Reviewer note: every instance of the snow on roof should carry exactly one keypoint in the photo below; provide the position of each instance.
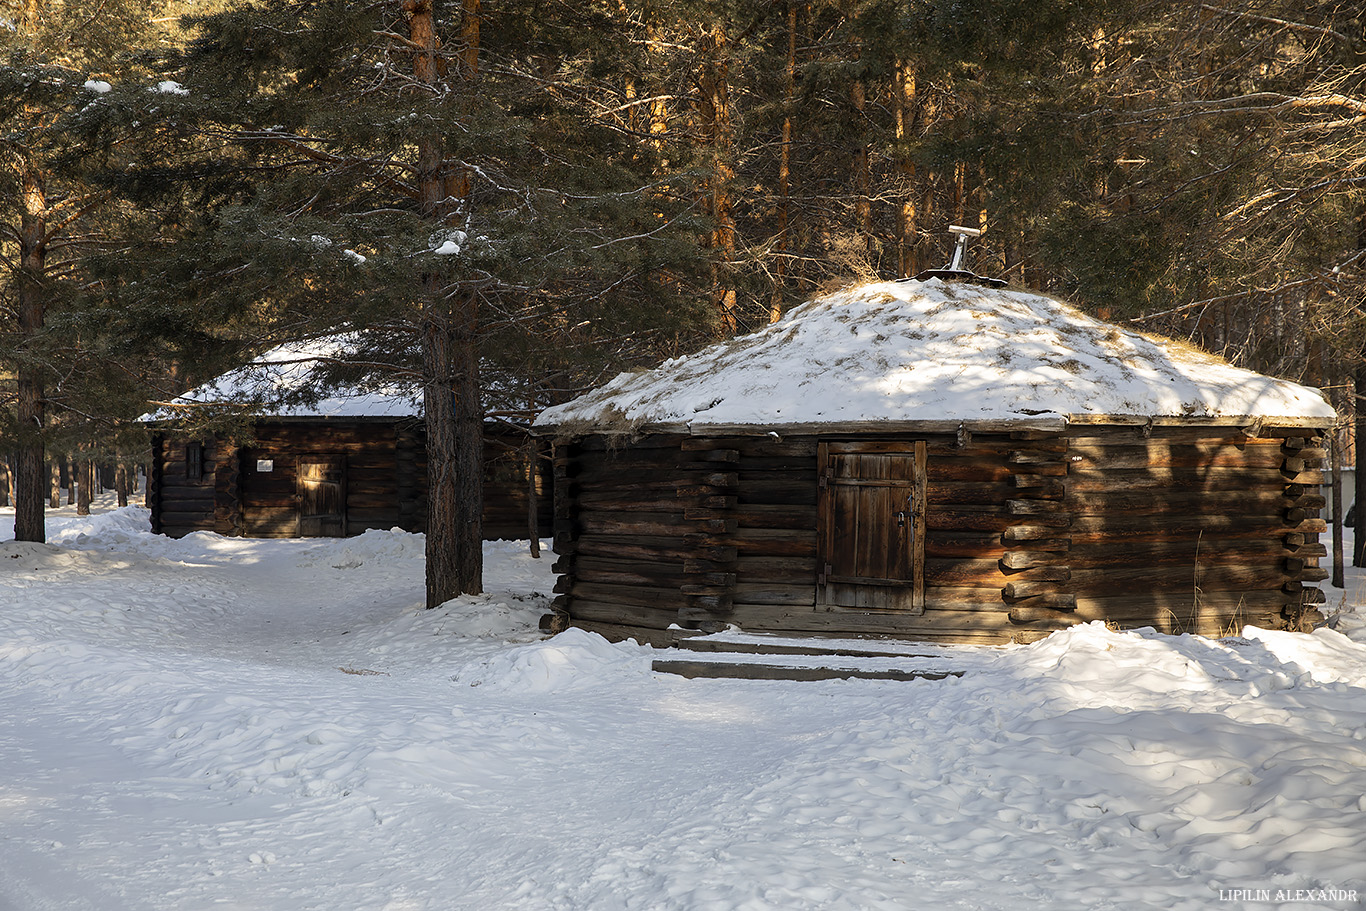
(910, 352)
(274, 381)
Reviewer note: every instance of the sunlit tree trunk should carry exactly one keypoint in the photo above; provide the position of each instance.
(713, 105)
(903, 105)
(449, 336)
(29, 480)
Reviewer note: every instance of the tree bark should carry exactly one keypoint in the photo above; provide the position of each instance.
(713, 104)
(29, 483)
(121, 483)
(54, 490)
(533, 517)
(775, 306)
(85, 486)
(455, 442)
(907, 228)
(1335, 442)
(449, 330)
(1359, 494)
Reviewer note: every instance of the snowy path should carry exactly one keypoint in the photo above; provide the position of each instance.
(278, 726)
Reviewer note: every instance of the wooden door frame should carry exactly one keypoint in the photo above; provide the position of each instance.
(825, 531)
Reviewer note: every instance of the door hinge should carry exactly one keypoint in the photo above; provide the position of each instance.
(824, 574)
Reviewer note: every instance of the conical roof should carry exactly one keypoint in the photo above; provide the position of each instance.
(925, 353)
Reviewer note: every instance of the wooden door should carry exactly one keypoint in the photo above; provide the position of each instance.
(872, 525)
(322, 496)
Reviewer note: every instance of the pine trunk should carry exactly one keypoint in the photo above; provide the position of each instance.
(29, 524)
(1359, 494)
(907, 228)
(775, 307)
(455, 442)
(533, 517)
(713, 104)
(452, 405)
(121, 483)
(85, 486)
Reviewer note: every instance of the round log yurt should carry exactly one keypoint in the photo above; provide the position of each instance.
(938, 460)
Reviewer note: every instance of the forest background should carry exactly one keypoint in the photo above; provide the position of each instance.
(523, 198)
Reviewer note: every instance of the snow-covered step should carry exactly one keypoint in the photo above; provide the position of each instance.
(756, 670)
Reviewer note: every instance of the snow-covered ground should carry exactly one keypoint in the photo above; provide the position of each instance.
(218, 723)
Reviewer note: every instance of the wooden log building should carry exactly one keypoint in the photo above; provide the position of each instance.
(941, 461)
(352, 461)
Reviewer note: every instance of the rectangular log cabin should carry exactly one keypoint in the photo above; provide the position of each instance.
(985, 537)
(334, 478)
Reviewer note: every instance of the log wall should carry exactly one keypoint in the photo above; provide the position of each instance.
(1199, 530)
(182, 504)
(386, 481)
(1185, 529)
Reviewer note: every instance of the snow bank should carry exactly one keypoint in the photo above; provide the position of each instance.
(279, 724)
(934, 351)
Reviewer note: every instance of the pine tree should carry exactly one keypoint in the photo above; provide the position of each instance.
(428, 173)
(57, 62)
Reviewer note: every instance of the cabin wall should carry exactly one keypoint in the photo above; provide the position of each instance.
(622, 535)
(385, 476)
(1184, 529)
(182, 495)
(1198, 530)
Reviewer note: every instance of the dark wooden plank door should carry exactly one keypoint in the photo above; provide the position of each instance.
(322, 496)
(872, 525)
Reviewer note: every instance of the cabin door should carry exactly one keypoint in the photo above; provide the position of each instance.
(322, 496)
(871, 536)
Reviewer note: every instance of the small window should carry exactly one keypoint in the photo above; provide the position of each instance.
(264, 465)
(194, 461)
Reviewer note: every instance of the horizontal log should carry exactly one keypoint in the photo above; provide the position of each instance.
(1013, 590)
(1158, 455)
(621, 524)
(710, 605)
(649, 597)
(764, 569)
(1051, 508)
(1037, 485)
(987, 626)
(662, 575)
(773, 492)
(1125, 579)
(774, 542)
(1040, 613)
(783, 517)
(771, 593)
(1025, 559)
(603, 443)
(768, 447)
(663, 549)
(1167, 527)
(181, 519)
(702, 588)
(1161, 554)
(1039, 455)
(194, 498)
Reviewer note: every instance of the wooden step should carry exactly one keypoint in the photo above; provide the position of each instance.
(701, 644)
(745, 670)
